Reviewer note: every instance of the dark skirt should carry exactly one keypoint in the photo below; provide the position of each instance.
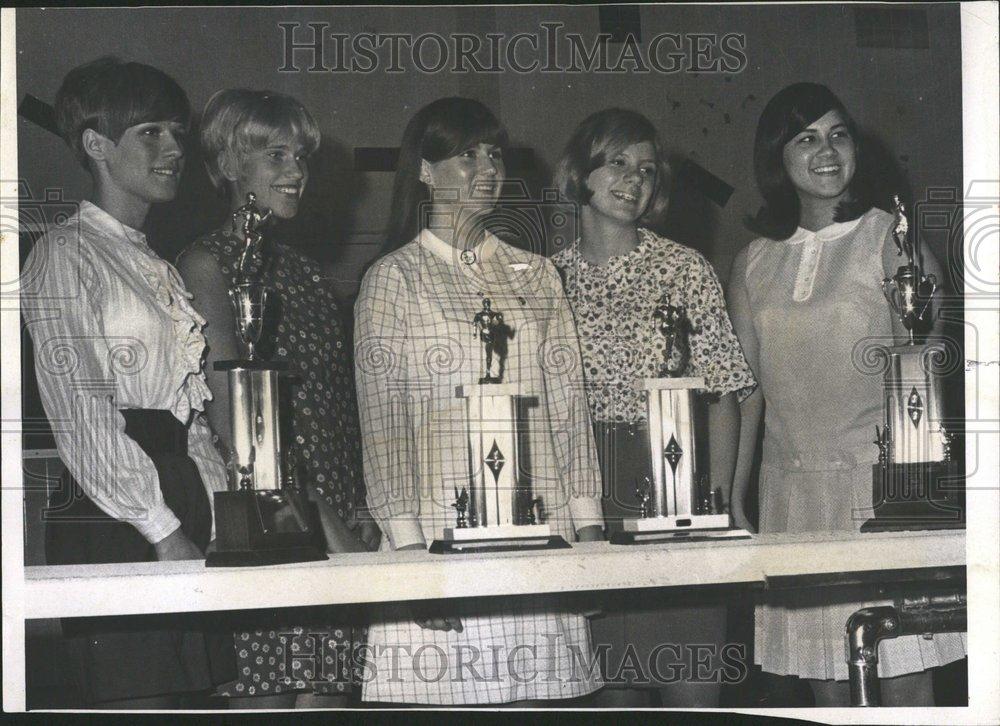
(646, 638)
(139, 656)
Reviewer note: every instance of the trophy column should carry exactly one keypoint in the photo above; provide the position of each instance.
(257, 522)
(671, 505)
(915, 484)
(494, 511)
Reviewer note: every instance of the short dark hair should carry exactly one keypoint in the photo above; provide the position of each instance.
(438, 131)
(110, 95)
(595, 140)
(790, 111)
(239, 120)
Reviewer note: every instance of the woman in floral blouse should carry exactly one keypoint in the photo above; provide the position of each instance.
(615, 274)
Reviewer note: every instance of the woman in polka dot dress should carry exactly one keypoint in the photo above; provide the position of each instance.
(259, 141)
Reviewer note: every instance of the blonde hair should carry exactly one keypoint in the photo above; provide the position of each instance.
(239, 121)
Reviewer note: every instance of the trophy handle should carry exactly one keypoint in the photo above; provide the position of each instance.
(933, 282)
(891, 294)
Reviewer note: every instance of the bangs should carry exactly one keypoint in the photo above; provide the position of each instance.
(146, 104)
(239, 121)
(620, 130)
(467, 125)
(273, 123)
(808, 108)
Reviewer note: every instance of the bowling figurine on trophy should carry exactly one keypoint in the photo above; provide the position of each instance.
(915, 484)
(671, 506)
(494, 511)
(251, 526)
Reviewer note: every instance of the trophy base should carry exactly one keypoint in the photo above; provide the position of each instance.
(500, 531)
(501, 538)
(923, 496)
(684, 528)
(677, 523)
(688, 535)
(256, 528)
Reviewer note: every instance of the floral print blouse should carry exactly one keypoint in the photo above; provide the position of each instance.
(613, 305)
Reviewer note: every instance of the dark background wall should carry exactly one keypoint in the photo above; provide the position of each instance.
(898, 69)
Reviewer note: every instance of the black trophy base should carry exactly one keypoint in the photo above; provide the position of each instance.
(256, 527)
(475, 546)
(916, 497)
(644, 538)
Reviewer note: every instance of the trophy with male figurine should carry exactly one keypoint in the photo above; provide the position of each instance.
(258, 521)
(494, 511)
(671, 505)
(915, 484)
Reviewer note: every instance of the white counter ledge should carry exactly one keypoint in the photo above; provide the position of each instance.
(159, 587)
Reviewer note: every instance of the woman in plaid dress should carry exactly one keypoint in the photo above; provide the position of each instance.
(414, 345)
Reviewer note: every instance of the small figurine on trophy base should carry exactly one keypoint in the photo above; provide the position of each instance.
(916, 484)
(258, 522)
(495, 512)
(670, 502)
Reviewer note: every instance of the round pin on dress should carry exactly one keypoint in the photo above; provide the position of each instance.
(468, 257)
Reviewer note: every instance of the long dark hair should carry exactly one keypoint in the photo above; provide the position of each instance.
(790, 111)
(438, 131)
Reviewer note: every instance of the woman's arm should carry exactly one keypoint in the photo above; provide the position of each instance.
(383, 405)
(751, 412)
(723, 443)
(76, 372)
(717, 357)
(566, 399)
(751, 407)
(204, 279)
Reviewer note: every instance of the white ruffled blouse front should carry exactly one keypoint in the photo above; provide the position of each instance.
(113, 328)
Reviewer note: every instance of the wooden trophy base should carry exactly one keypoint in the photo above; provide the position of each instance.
(673, 528)
(923, 496)
(255, 528)
(499, 538)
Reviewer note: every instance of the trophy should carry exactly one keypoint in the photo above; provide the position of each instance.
(258, 521)
(671, 505)
(493, 511)
(915, 484)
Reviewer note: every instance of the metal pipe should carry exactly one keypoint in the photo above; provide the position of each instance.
(910, 616)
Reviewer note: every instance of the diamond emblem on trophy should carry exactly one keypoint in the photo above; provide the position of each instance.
(670, 505)
(495, 511)
(915, 484)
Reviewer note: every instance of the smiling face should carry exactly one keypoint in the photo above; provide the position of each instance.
(820, 161)
(622, 187)
(277, 174)
(476, 174)
(145, 166)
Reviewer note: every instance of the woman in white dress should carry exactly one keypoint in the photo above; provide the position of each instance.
(414, 345)
(802, 297)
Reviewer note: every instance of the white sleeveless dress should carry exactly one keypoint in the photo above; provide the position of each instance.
(815, 304)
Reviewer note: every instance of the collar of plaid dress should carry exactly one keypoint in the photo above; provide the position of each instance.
(482, 252)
